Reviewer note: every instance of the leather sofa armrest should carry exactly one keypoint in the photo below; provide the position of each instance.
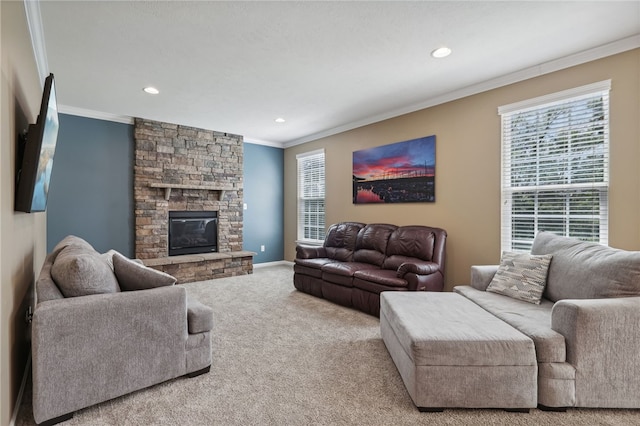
(418, 268)
(602, 339)
(421, 275)
(304, 251)
(481, 276)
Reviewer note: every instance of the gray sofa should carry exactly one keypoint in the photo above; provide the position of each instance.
(586, 329)
(105, 326)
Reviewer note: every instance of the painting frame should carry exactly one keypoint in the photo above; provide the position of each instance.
(400, 172)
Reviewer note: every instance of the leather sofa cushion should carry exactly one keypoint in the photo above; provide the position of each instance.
(341, 273)
(371, 244)
(307, 270)
(408, 242)
(341, 280)
(373, 288)
(316, 263)
(385, 277)
(340, 241)
(346, 269)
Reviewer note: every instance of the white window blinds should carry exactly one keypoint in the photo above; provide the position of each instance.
(311, 222)
(555, 166)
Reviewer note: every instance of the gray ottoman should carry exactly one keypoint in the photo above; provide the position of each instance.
(452, 353)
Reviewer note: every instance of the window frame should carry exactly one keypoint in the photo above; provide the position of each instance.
(314, 193)
(508, 190)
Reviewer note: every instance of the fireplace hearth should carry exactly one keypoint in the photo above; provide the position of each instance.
(193, 232)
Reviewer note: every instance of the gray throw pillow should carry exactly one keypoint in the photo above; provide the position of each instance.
(72, 240)
(80, 271)
(521, 276)
(134, 276)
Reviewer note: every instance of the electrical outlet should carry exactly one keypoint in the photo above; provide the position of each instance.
(262, 247)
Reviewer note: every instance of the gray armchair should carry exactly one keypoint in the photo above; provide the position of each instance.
(91, 348)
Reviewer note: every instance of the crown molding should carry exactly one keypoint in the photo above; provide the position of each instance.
(599, 52)
(98, 115)
(34, 22)
(263, 142)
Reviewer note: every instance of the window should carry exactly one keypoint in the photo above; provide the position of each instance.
(555, 166)
(311, 224)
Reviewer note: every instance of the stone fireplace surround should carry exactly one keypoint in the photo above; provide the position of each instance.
(186, 168)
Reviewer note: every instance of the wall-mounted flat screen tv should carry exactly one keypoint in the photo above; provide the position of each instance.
(35, 155)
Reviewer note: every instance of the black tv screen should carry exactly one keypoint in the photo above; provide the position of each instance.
(34, 168)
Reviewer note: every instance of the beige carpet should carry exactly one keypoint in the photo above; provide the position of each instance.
(282, 357)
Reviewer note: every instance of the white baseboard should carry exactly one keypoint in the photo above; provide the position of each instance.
(25, 376)
(268, 264)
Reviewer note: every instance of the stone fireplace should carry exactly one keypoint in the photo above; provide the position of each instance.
(180, 168)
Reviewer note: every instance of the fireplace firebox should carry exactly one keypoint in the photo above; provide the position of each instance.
(192, 232)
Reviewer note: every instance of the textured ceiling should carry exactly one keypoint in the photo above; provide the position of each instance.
(323, 66)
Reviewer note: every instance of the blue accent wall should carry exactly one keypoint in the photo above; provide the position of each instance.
(264, 199)
(91, 192)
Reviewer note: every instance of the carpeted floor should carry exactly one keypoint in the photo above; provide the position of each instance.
(282, 357)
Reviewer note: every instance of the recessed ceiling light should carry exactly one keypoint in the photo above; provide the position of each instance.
(280, 120)
(151, 90)
(441, 52)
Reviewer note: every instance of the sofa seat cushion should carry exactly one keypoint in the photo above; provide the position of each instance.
(341, 273)
(316, 263)
(531, 320)
(347, 269)
(384, 277)
(583, 270)
(308, 271)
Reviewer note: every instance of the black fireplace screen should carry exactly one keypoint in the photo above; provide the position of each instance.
(192, 232)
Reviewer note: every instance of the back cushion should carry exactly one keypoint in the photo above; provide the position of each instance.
(371, 244)
(340, 241)
(582, 270)
(132, 275)
(408, 243)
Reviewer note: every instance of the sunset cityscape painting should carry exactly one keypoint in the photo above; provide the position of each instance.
(402, 172)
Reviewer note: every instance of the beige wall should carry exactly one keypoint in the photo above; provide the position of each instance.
(468, 165)
(22, 236)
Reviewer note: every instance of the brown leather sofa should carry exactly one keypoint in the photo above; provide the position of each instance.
(358, 261)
